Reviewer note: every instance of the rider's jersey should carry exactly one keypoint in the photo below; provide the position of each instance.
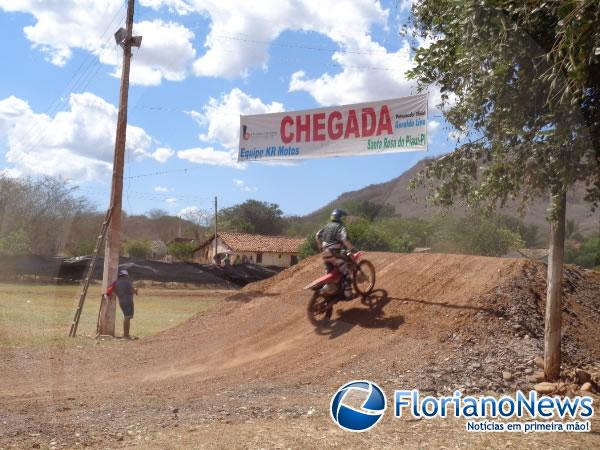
(332, 235)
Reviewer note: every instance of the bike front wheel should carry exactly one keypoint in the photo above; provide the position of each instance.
(364, 277)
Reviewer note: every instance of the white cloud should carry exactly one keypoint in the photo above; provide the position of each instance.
(222, 116)
(162, 155)
(242, 186)
(179, 6)
(77, 143)
(406, 5)
(11, 173)
(210, 156)
(166, 52)
(370, 73)
(161, 189)
(241, 31)
(171, 201)
(433, 125)
(61, 26)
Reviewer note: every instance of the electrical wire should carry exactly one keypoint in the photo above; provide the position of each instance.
(81, 78)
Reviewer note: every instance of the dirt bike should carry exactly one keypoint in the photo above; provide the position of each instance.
(328, 290)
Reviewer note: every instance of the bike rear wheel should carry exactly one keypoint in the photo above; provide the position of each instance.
(364, 277)
(319, 310)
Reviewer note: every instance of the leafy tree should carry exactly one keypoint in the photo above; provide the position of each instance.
(308, 247)
(367, 237)
(588, 255)
(475, 234)
(401, 245)
(521, 81)
(528, 232)
(253, 216)
(43, 208)
(181, 250)
(16, 243)
(417, 231)
(138, 248)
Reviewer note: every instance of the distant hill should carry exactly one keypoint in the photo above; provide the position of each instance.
(413, 203)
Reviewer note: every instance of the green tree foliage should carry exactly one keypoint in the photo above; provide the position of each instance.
(181, 250)
(366, 236)
(308, 248)
(530, 233)
(15, 243)
(138, 248)
(588, 255)
(476, 235)
(253, 216)
(417, 232)
(401, 245)
(524, 80)
(521, 80)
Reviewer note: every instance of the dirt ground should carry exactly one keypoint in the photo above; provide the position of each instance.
(254, 373)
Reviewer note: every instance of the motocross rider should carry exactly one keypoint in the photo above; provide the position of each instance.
(332, 239)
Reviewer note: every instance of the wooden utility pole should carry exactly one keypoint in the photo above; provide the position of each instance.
(126, 40)
(216, 228)
(552, 331)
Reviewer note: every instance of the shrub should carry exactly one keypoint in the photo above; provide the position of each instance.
(181, 250)
(308, 248)
(138, 248)
(16, 243)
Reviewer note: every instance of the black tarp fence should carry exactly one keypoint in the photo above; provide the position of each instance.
(73, 269)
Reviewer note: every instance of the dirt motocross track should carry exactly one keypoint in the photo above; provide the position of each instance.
(255, 362)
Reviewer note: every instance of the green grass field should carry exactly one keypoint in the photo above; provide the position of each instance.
(34, 315)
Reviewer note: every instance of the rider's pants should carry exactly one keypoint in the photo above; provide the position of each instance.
(334, 258)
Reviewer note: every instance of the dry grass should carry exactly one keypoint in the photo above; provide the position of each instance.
(36, 315)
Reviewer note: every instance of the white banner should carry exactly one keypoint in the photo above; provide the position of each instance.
(390, 126)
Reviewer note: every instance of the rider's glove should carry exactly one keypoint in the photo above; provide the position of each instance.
(354, 251)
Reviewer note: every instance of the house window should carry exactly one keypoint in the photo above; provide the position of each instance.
(259, 258)
(293, 260)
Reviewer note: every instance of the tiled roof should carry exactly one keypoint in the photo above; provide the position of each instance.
(242, 242)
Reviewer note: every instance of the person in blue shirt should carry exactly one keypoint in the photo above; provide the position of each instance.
(124, 289)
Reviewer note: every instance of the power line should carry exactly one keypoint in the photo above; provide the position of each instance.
(299, 45)
(82, 76)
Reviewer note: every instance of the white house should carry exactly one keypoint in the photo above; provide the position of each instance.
(280, 251)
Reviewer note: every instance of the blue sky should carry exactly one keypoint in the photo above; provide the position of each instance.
(201, 64)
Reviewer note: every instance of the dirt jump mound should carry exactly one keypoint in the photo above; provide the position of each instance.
(434, 323)
(437, 321)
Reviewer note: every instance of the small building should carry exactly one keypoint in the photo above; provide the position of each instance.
(279, 251)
